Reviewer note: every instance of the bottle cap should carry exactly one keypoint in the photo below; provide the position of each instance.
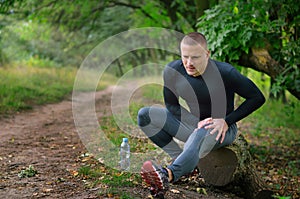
(125, 139)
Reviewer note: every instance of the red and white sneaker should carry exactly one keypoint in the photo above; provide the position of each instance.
(156, 177)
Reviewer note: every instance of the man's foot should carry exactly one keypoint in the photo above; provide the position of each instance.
(156, 177)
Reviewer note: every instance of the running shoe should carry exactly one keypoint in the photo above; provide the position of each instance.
(156, 177)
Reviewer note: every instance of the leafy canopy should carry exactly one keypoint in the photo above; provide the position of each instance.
(232, 29)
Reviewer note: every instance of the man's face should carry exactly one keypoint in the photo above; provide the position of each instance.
(194, 59)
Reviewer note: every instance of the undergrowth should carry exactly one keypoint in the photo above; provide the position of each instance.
(23, 87)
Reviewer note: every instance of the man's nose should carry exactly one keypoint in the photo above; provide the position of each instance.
(189, 61)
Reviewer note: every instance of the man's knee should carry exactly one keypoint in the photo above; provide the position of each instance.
(143, 118)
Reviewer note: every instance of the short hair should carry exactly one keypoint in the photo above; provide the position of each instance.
(194, 38)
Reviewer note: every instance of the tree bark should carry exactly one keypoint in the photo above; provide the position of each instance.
(259, 59)
(201, 6)
(233, 165)
(120, 67)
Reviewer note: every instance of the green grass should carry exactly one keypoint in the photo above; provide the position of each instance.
(28, 172)
(153, 92)
(22, 87)
(275, 114)
(116, 183)
(87, 79)
(115, 134)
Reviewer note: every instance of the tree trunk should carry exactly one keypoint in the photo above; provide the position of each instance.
(201, 6)
(259, 59)
(233, 165)
(120, 67)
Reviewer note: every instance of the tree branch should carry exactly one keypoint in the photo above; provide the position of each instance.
(259, 59)
(117, 3)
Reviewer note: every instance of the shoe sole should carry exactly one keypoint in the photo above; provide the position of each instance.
(151, 177)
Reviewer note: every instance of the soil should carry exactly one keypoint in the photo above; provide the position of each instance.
(46, 138)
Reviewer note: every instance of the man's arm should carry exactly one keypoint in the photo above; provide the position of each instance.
(253, 100)
(245, 88)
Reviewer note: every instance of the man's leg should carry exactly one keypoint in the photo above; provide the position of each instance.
(199, 144)
(161, 127)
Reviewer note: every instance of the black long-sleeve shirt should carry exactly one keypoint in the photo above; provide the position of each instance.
(212, 93)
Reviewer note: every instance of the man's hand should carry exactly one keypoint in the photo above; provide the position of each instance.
(216, 125)
(204, 122)
(219, 125)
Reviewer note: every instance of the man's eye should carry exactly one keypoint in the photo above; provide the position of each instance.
(193, 57)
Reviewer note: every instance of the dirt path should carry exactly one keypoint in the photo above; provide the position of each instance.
(46, 138)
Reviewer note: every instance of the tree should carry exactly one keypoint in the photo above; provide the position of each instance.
(98, 20)
(259, 34)
(76, 27)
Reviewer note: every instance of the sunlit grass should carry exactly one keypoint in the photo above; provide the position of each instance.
(22, 87)
(276, 114)
(91, 80)
(153, 92)
(115, 134)
(115, 181)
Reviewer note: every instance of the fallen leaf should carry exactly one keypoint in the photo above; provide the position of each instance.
(175, 191)
(201, 190)
(47, 190)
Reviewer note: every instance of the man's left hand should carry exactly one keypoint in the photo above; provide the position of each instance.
(220, 126)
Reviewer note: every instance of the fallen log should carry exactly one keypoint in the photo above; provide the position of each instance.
(233, 165)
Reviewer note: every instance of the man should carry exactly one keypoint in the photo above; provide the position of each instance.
(208, 88)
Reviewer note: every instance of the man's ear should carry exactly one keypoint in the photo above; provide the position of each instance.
(208, 54)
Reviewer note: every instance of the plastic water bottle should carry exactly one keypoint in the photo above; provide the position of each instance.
(125, 155)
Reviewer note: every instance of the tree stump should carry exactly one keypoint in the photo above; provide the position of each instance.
(233, 165)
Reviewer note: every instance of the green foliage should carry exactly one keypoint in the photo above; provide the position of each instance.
(232, 29)
(278, 115)
(115, 134)
(118, 179)
(153, 92)
(115, 181)
(22, 87)
(28, 172)
(282, 197)
(85, 171)
(29, 41)
(59, 31)
(157, 16)
(290, 77)
(7, 6)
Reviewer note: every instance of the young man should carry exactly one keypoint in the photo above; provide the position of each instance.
(208, 88)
